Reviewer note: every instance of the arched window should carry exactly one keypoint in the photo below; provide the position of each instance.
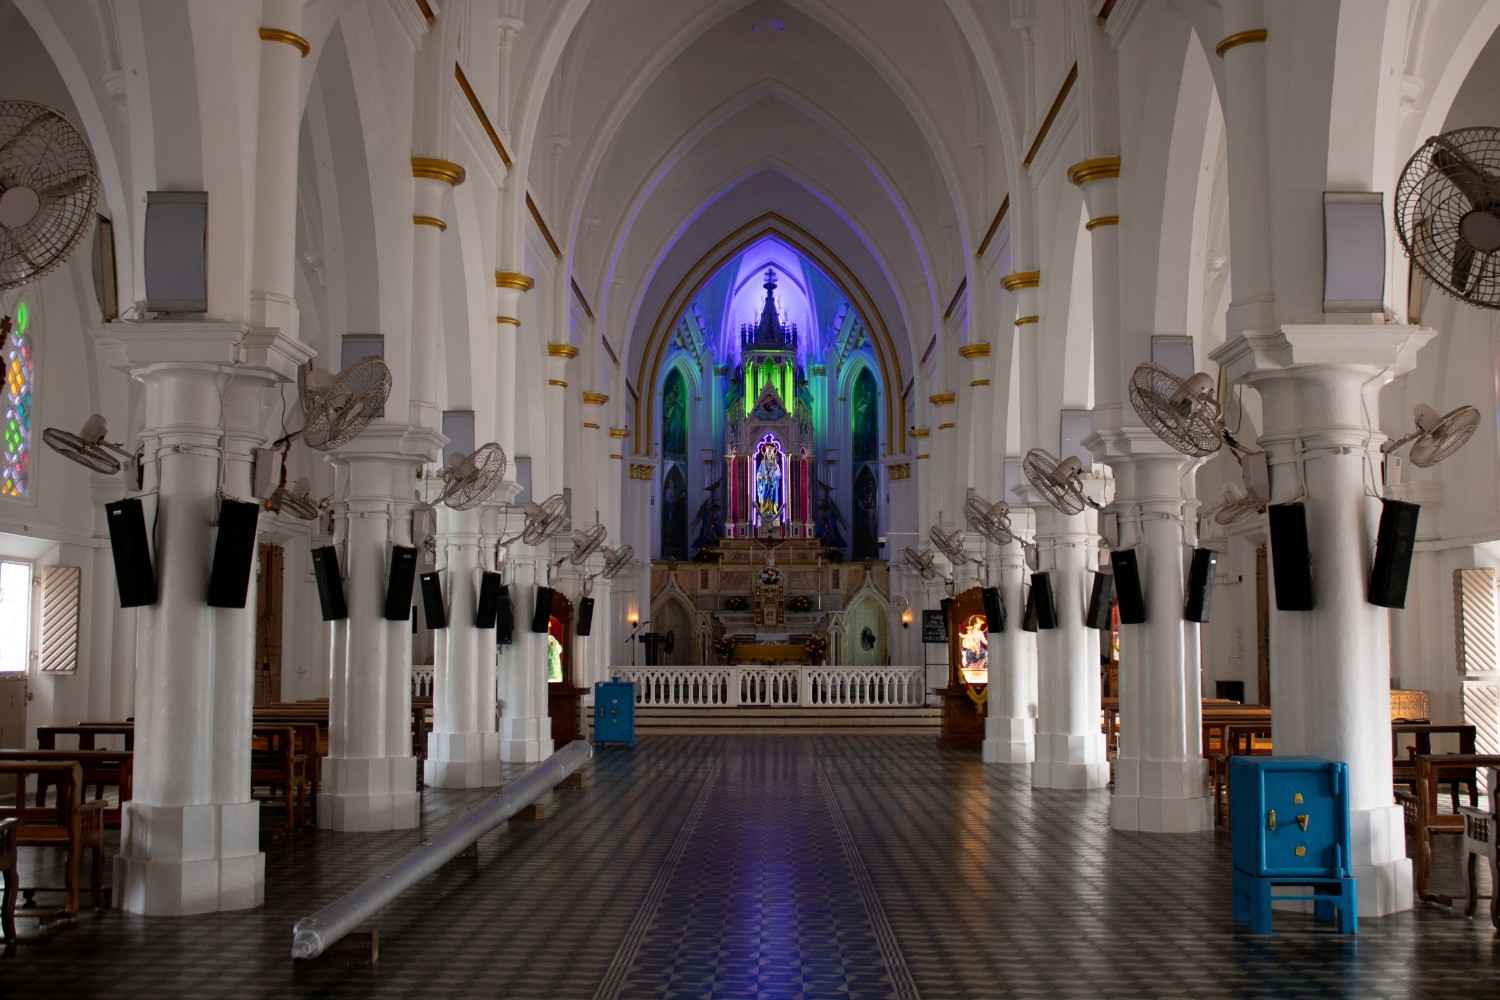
(674, 400)
(864, 415)
(15, 450)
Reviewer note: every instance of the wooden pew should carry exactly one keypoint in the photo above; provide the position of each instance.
(101, 768)
(1424, 822)
(1482, 843)
(1248, 738)
(72, 825)
(276, 766)
(1404, 771)
(10, 871)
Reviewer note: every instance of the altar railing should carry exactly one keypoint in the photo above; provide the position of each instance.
(809, 687)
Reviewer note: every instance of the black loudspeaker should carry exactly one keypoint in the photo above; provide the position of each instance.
(1041, 597)
(1200, 585)
(1128, 587)
(1028, 613)
(234, 554)
(994, 609)
(132, 551)
(1291, 563)
(585, 621)
(489, 600)
(399, 582)
(1101, 601)
(330, 583)
(433, 608)
(505, 617)
(1393, 546)
(541, 615)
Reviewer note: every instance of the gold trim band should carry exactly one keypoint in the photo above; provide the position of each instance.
(941, 398)
(946, 425)
(567, 351)
(900, 471)
(560, 383)
(1239, 38)
(594, 399)
(514, 279)
(616, 456)
(1027, 320)
(920, 432)
(508, 320)
(285, 37)
(1103, 220)
(976, 383)
(1021, 279)
(976, 350)
(923, 455)
(591, 425)
(619, 432)
(1097, 169)
(430, 220)
(430, 168)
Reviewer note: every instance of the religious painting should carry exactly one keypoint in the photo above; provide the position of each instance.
(974, 645)
(866, 514)
(770, 508)
(674, 416)
(864, 417)
(674, 514)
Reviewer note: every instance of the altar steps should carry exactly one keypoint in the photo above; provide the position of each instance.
(788, 721)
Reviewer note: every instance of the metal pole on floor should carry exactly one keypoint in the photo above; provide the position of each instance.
(312, 935)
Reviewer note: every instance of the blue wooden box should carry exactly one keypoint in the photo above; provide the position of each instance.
(614, 712)
(1290, 816)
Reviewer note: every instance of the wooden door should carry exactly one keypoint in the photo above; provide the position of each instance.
(563, 696)
(268, 588)
(1262, 627)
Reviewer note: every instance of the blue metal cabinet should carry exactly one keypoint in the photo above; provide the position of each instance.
(1290, 816)
(614, 712)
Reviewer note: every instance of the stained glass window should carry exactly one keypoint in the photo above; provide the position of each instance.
(15, 450)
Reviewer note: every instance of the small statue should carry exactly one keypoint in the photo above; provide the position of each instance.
(831, 522)
(708, 518)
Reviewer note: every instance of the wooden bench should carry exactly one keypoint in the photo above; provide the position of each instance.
(1248, 738)
(72, 825)
(101, 769)
(1424, 822)
(1404, 771)
(276, 766)
(1482, 843)
(10, 871)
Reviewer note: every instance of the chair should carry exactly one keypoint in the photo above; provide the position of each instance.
(11, 873)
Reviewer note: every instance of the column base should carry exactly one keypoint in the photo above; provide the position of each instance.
(1160, 796)
(463, 760)
(1070, 760)
(363, 794)
(1378, 838)
(1009, 740)
(525, 741)
(179, 860)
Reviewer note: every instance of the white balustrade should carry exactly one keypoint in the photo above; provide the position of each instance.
(421, 682)
(809, 687)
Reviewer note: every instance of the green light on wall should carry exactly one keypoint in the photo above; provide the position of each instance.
(778, 374)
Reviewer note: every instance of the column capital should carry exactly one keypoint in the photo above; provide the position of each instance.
(1307, 348)
(136, 346)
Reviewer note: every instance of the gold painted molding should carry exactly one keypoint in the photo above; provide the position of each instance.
(567, 351)
(901, 471)
(1103, 220)
(919, 432)
(941, 398)
(923, 455)
(1021, 279)
(430, 220)
(1240, 38)
(619, 432)
(559, 383)
(514, 279)
(946, 425)
(433, 169)
(591, 425)
(594, 399)
(976, 383)
(1097, 169)
(508, 320)
(1027, 320)
(976, 350)
(641, 472)
(285, 37)
(616, 456)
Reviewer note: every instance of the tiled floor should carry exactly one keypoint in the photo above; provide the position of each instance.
(777, 866)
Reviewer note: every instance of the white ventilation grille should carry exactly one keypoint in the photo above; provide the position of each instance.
(61, 588)
(1474, 620)
(1482, 711)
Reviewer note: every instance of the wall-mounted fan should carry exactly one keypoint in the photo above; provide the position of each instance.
(949, 543)
(616, 561)
(1185, 413)
(1061, 482)
(920, 561)
(469, 480)
(545, 519)
(1436, 437)
(1238, 504)
(1448, 213)
(295, 499)
(49, 186)
(88, 447)
(585, 544)
(337, 407)
(992, 520)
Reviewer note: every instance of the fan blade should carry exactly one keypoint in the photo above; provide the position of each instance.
(1463, 262)
(62, 189)
(1464, 173)
(21, 134)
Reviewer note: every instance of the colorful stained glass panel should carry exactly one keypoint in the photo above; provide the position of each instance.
(15, 431)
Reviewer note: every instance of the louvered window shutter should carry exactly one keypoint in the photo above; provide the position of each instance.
(61, 590)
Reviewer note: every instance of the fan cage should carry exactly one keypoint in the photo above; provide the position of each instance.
(1431, 204)
(1190, 425)
(41, 150)
(328, 427)
(1039, 466)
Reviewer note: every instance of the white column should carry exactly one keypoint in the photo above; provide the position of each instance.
(272, 291)
(525, 727)
(190, 841)
(1160, 774)
(431, 180)
(1330, 685)
(1069, 742)
(1010, 728)
(463, 749)
(370, 775)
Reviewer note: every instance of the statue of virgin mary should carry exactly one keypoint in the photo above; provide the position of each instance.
(768, 482)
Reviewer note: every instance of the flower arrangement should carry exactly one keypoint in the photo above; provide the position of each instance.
(724, 647)
(817, 648)
(800, 602)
